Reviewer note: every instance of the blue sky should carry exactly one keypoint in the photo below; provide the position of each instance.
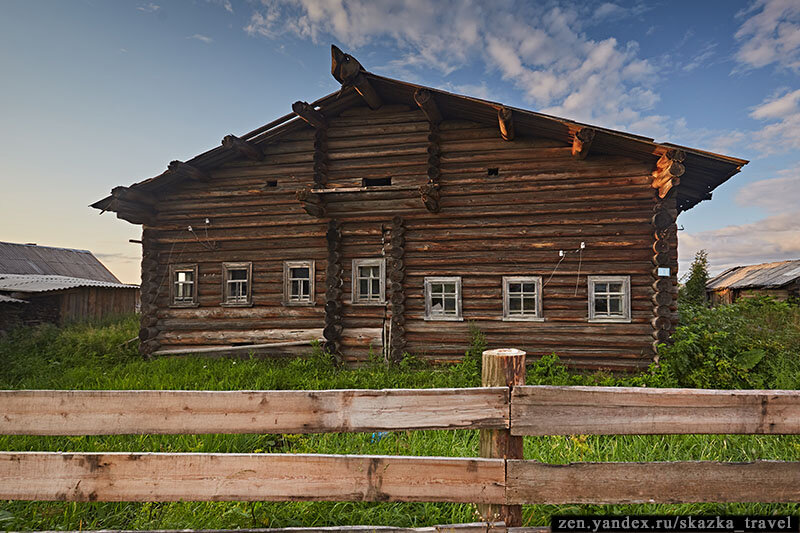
(95, 94)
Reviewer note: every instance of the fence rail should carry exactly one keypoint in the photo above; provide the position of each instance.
(78, 412)
(504, 413)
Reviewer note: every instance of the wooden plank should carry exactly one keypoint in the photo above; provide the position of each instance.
(95, 412)
(532, 482)
(247, 477)
(550, 410)
(472, 527)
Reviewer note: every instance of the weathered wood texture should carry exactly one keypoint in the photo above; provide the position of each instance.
(86, 303)
(502, 368)
(53, 412)
(678, 482)
(471, 527)
(247, 477)
(537, 199)
(549, 410)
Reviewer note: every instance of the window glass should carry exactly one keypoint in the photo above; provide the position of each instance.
(521, 298)
(609, 297)
(443, 298)
(368, 281)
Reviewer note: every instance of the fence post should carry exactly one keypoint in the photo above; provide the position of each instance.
(502, 368)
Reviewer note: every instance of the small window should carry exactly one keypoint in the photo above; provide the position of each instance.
(237, 284)
(271, 183)
(183, 290)
(493, 171)
(298, 286)
(376, 182)
(522, 298)
(368, 281)
(609, 299)
(443, 298)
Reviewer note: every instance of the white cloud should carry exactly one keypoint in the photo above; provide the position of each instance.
(701, 58)
(774, 238)
(777, 195)
(770, 34)
(541, 49)
(149, 8)
(783, 133)
(201, 37)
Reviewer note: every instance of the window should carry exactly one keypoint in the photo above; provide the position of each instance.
(443, 298)
(183, 290)
(609, 299)
(237, 284)
(368, 281)
(522, 298)
(298, 283)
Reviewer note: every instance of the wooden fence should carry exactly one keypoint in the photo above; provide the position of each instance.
(506, 480)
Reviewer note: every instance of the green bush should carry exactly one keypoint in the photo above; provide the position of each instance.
(751, 344)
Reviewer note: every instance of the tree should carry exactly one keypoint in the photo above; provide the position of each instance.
(693, 292)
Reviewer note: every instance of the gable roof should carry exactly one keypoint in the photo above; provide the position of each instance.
(24, 283)
(704, 172)
(764, 276)
(46, 260)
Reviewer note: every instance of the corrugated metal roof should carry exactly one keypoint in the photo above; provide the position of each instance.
(765, 275)
(40, 283)
(46, 260)
(9, 300)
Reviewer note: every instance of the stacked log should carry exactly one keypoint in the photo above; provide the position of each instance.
(148, 330)
(664, 228)
(395, 271)
(430, 192)
(333, 292)
(321, 157)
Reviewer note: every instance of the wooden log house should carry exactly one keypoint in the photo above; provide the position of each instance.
(389, 217)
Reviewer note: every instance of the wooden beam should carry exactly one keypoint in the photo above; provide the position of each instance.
(531, 482)
(367, 91)
(506, 121)
(550, 410)
(150, 477)
(425, 100)
(133, 196)
(312, 203)
(184, 170)
(582, 142)
(309, 114)
(243, 148)
(78, 412)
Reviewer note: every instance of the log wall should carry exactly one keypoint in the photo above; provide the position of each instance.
(490, 223)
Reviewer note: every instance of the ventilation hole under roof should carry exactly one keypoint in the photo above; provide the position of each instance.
(376, 182)
(492, 171)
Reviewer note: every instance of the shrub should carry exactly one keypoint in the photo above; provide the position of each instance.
(753, 343)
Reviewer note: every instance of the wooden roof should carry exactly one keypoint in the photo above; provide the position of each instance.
(46, 260)
(704, 171)
(763, 276)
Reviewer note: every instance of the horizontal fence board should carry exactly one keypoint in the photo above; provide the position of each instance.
(532, 482)
(552, 410)
(75, 412)
(473, 527)
(247, 477)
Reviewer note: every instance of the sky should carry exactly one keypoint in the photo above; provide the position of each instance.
(95, 94)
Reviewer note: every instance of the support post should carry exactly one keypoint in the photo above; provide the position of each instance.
(502, 368)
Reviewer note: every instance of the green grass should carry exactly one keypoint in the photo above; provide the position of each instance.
(96, 357)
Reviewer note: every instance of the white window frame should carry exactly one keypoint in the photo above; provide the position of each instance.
(537, 316)
(356, 298)
(625, 316)
(287, 283)
(429, 315)
(173, 271)
(248, 300)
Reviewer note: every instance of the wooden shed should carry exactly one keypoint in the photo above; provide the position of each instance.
(391, 217)
(43, 284)
(781, 280)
